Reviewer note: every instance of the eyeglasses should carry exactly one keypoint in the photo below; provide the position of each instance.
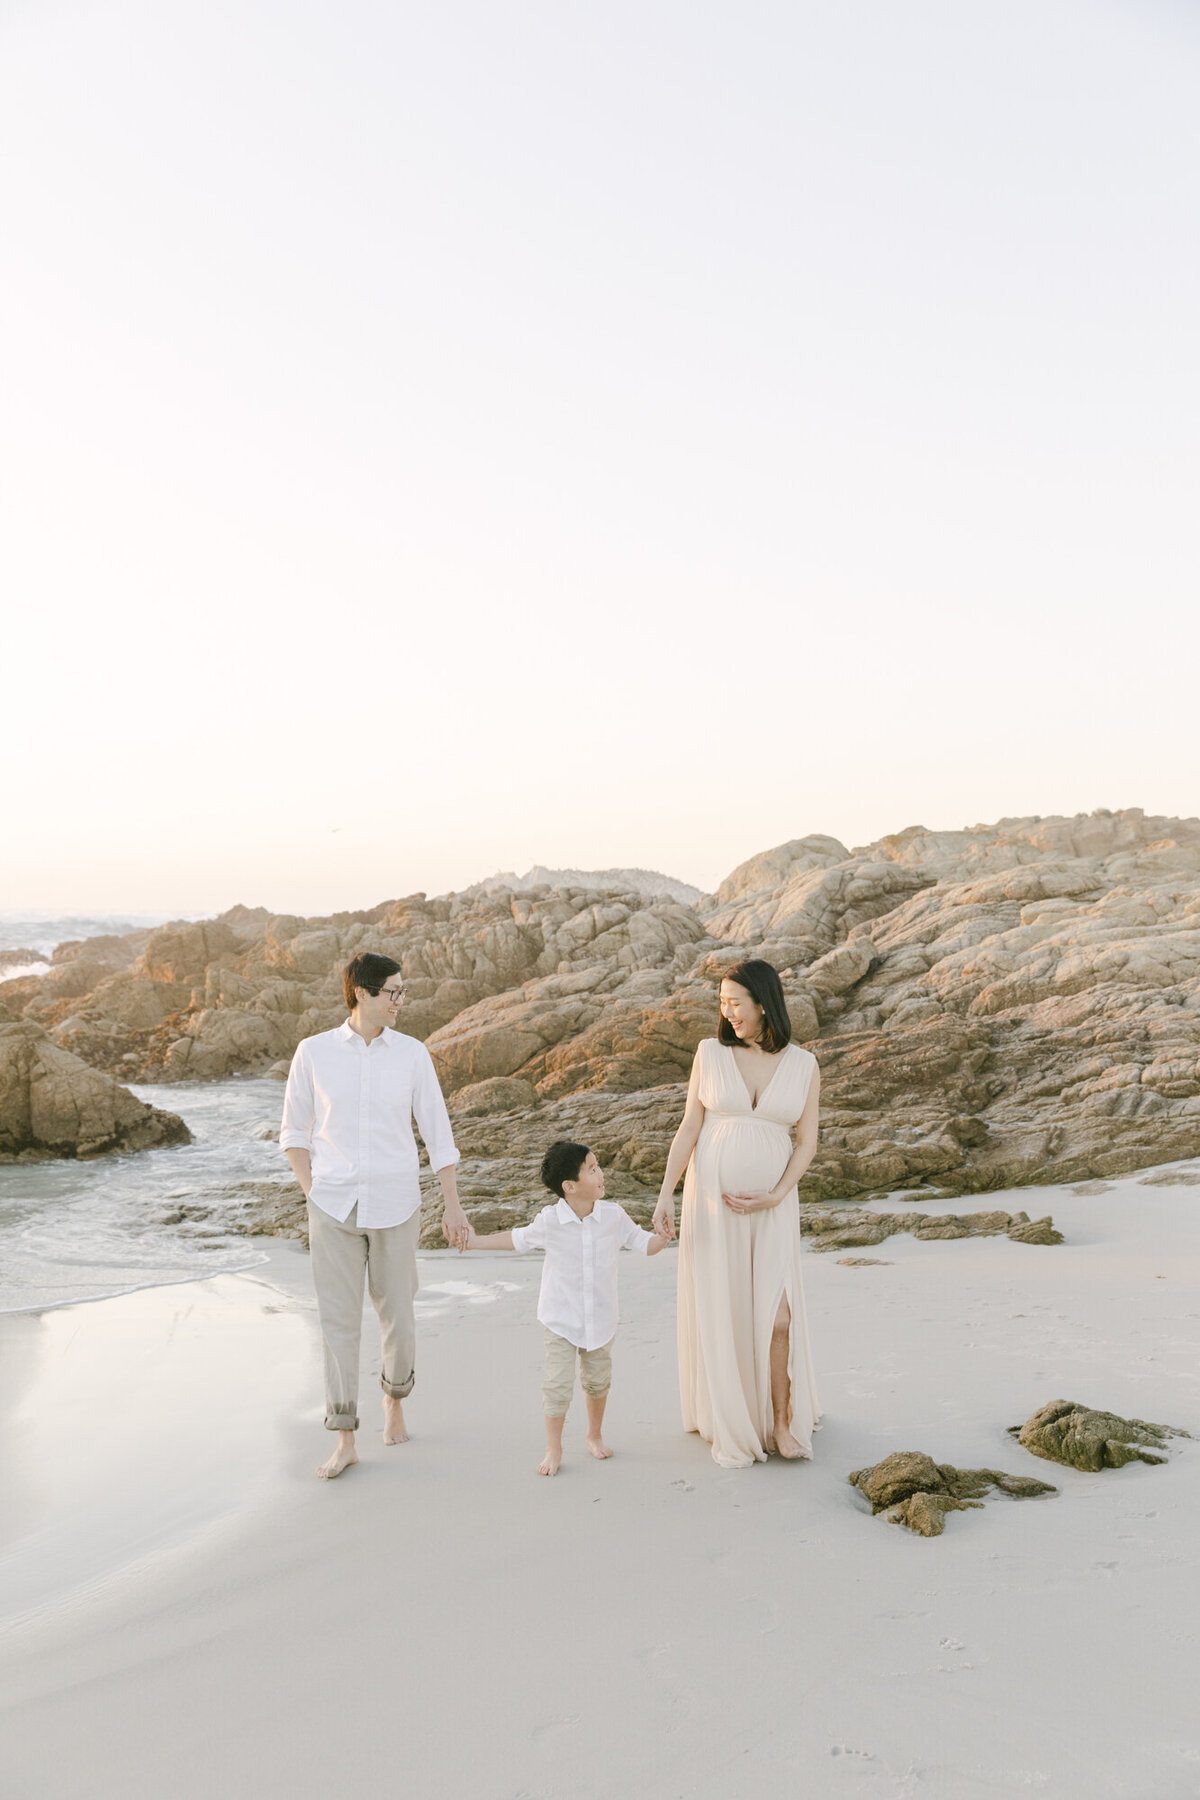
(391, 993)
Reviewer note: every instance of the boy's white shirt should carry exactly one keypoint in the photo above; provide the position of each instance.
(578, 1298)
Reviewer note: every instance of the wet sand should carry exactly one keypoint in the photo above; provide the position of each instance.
(186, 1611)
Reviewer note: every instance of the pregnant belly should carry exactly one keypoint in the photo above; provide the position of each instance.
(743, 1155)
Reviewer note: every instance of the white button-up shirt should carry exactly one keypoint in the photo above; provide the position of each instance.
(578, 1299)
(351, 1104)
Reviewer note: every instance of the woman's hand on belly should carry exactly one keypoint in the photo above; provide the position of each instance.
(751, 1203)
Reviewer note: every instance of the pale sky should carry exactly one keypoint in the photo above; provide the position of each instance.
(440, 438)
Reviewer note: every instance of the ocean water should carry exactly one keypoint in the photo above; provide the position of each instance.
(42, 931)
(80, 1230)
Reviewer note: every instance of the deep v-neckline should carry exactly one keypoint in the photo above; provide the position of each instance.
(755, 1104)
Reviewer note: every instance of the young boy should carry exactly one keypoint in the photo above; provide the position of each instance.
(577, 1305)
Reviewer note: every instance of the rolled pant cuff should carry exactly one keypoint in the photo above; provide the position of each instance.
(398, 1390)
(341, 1421)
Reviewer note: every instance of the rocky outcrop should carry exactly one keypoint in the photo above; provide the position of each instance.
(20, 958)
(915, 1491)
(1003, 1005)
(851, 1229)
(52, 1104)
(1081, 1438)
(649, 883)
(248, 1209)
(500, 1094)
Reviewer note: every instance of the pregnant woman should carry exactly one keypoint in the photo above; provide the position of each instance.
(749, 1132)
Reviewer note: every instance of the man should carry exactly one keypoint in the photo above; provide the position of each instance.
(347, 1131)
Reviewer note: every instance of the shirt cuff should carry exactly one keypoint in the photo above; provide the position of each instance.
(443, 1159)
(519, 1232)
(295, 1140)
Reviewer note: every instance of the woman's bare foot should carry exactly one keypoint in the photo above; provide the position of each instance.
(599, 1449)
(342, 1458)
(395, 1431)
(786, 1444)
(550, 1463)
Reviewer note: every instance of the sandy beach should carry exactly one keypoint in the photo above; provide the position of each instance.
(188, 1612)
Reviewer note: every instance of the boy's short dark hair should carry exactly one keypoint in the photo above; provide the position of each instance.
(370, 971)
(562, 1162)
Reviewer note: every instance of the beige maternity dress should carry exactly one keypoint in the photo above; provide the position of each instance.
(734, 1268)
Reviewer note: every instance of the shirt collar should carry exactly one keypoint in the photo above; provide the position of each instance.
(349, 1036)
(569, 1216)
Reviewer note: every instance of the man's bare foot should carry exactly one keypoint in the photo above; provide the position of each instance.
(342, 1458)
(599, 1449)
(787, 1445)
(395, 1431)
(550, 1463)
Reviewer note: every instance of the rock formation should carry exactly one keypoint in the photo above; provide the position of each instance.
(52, 1104)
(844, 1228)
(1063, 1431)
(915, 1491)
(20, 958)
(1009, 1004)
(248, 1209)
(650, 883)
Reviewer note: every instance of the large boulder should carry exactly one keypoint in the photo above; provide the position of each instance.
(225, 1041)
(770, 870)
(51, 1104)
(499, 1094)
(182, 952)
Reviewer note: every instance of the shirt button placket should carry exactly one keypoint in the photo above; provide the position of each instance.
(589, 1286)
(364, 1134)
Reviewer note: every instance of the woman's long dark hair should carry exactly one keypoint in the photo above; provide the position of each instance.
(764, 987)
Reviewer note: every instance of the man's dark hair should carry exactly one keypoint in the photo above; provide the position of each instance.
(368, 970)
(562, 1162)
(764, 987)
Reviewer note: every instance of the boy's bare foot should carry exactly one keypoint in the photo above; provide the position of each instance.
(599, 1449)
(787, 1445)
(395, 1431)
(549, 1464)
(343, 1457)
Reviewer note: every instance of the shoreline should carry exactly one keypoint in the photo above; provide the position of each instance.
(142, 1287)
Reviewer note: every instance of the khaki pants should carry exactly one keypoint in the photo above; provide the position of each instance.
(595, 1373)
(342, 1253)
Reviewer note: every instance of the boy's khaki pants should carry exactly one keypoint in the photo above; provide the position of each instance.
(595, 1373)
(342, 1253)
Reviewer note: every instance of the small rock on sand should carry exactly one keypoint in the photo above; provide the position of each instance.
(915, 1491)
(1081, 1438)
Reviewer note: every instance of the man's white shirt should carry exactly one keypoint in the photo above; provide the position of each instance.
(351, 1104)
(578, 1298)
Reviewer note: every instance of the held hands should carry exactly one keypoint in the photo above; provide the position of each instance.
(663, 1222)
(750, 1203)
(456, 1227)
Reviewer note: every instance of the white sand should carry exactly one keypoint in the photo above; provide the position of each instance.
(201, 1617)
